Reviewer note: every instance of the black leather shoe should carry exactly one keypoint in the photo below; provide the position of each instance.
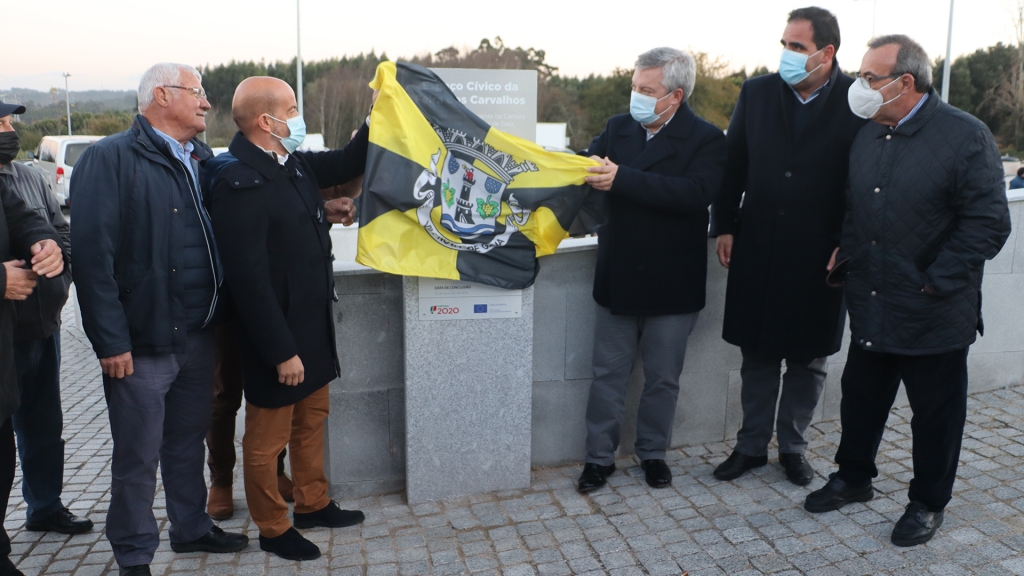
(330, 516)
(594, 476)
(216, 540)
(656, 473)
(290, 546)
(141, 570)
(736, 464)
(916, 526)
(62, 521)
(836, 494)
(798, 469)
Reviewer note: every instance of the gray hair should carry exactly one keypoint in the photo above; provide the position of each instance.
(678, 68)
(162, 74)
(910, 59)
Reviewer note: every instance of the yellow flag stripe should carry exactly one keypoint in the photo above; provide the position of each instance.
(395, 242)
(397, 124)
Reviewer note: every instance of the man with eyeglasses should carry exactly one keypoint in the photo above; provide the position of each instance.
(926, 207)
(778, 219)
(148, 285)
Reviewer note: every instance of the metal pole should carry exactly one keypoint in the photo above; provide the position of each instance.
(67, 98)
(298, 56)
(949, 53)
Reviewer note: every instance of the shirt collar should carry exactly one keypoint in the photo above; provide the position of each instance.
(8, 169)
(660, 128)
(813, 95)
(914, 111)
(280, 159)
(181, 151)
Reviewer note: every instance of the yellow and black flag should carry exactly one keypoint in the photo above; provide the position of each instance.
(447, 196)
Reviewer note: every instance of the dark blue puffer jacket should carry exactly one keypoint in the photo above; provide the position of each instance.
(149, 270)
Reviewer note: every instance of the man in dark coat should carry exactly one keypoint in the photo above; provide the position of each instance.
(24, 236)
(148, 277)
(789, 147)
(662, 166)
(39, 421)
(273, 230)
(926, 207)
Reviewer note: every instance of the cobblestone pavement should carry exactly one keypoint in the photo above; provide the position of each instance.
(754, 525)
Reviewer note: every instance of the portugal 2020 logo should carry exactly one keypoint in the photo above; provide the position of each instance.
(444, 310)
(470, 200)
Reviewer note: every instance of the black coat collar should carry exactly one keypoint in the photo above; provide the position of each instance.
(822, 97)
(632, 150)
(147, 138)
(255, 157)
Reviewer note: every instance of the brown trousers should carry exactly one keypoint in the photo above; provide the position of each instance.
(267, 431)
(227, 399)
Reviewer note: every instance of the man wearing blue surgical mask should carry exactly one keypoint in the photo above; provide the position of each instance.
(273, 230)
(661, 166)
(778, 219)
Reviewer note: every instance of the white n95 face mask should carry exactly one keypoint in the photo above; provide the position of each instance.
(864, 100)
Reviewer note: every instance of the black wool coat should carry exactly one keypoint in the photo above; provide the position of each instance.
(274, 239)
(20, 228)
(652, 250)
(926, 208)
(777, 301)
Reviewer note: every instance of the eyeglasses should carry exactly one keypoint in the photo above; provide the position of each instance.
(871, 79)
(197, 92)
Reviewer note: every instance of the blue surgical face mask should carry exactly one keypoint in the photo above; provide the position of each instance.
(296, 133)
(793, 67)
(641, 107)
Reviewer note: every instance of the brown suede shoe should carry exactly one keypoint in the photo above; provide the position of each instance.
(220, 505)
(284, 486)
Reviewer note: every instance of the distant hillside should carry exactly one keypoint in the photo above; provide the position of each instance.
(51, 104)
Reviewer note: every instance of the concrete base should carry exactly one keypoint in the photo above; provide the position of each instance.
(468, 391)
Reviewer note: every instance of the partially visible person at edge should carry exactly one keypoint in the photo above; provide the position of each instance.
(39, 422)
(926, 207)
(661, 166)
(148, 278)
(29, 249)
(1018, 180)
(789, 151)
(279, 273)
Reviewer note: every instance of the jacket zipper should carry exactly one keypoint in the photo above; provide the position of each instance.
(209, 251)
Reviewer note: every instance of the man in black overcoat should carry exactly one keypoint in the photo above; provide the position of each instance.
(926, 207)
(661, 167)
(778, 219)
(273, 231)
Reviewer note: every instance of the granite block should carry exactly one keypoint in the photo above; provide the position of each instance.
(360, 284)
(368, 329)
(700, 413)
(1003, 313)
(468, 400)
(832, 395)
(359, 436)
(989, 371)
(396, 419)
(549, 315)
(1003, 263)
(580, 315)
(559, 422)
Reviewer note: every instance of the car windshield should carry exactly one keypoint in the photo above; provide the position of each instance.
(74, 151)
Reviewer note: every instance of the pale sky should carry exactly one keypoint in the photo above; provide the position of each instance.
(109, 43)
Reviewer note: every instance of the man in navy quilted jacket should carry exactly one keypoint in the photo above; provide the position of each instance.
(925, 208)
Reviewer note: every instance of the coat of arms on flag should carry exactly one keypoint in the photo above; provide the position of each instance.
(447, 196)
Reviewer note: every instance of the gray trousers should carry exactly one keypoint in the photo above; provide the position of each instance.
(662, 342)
(160, 415)
(801, 388)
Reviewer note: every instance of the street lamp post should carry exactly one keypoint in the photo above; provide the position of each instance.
(67, 99)
(949, 52)
(298, 55)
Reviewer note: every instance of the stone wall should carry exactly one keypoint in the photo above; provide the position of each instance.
(366, 428)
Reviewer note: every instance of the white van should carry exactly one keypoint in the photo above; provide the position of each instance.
(56, 157)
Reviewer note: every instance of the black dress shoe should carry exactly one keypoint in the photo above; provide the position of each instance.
(330, 516)
(62, 521)
(290, 546)
(798, 469)
(216, 540)
(656, 473)
(736, 464)
(917, 525)
(140, 570)
(594, 476)
(836, 494)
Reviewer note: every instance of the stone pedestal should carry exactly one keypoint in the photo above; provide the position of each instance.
(468, 398)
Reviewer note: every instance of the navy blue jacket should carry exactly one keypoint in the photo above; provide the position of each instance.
(652, 250)
(274, 236)
(145, 262)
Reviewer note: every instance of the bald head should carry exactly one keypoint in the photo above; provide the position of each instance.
(261, 95)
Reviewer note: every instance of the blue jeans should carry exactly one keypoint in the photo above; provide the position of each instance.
(38, 424)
